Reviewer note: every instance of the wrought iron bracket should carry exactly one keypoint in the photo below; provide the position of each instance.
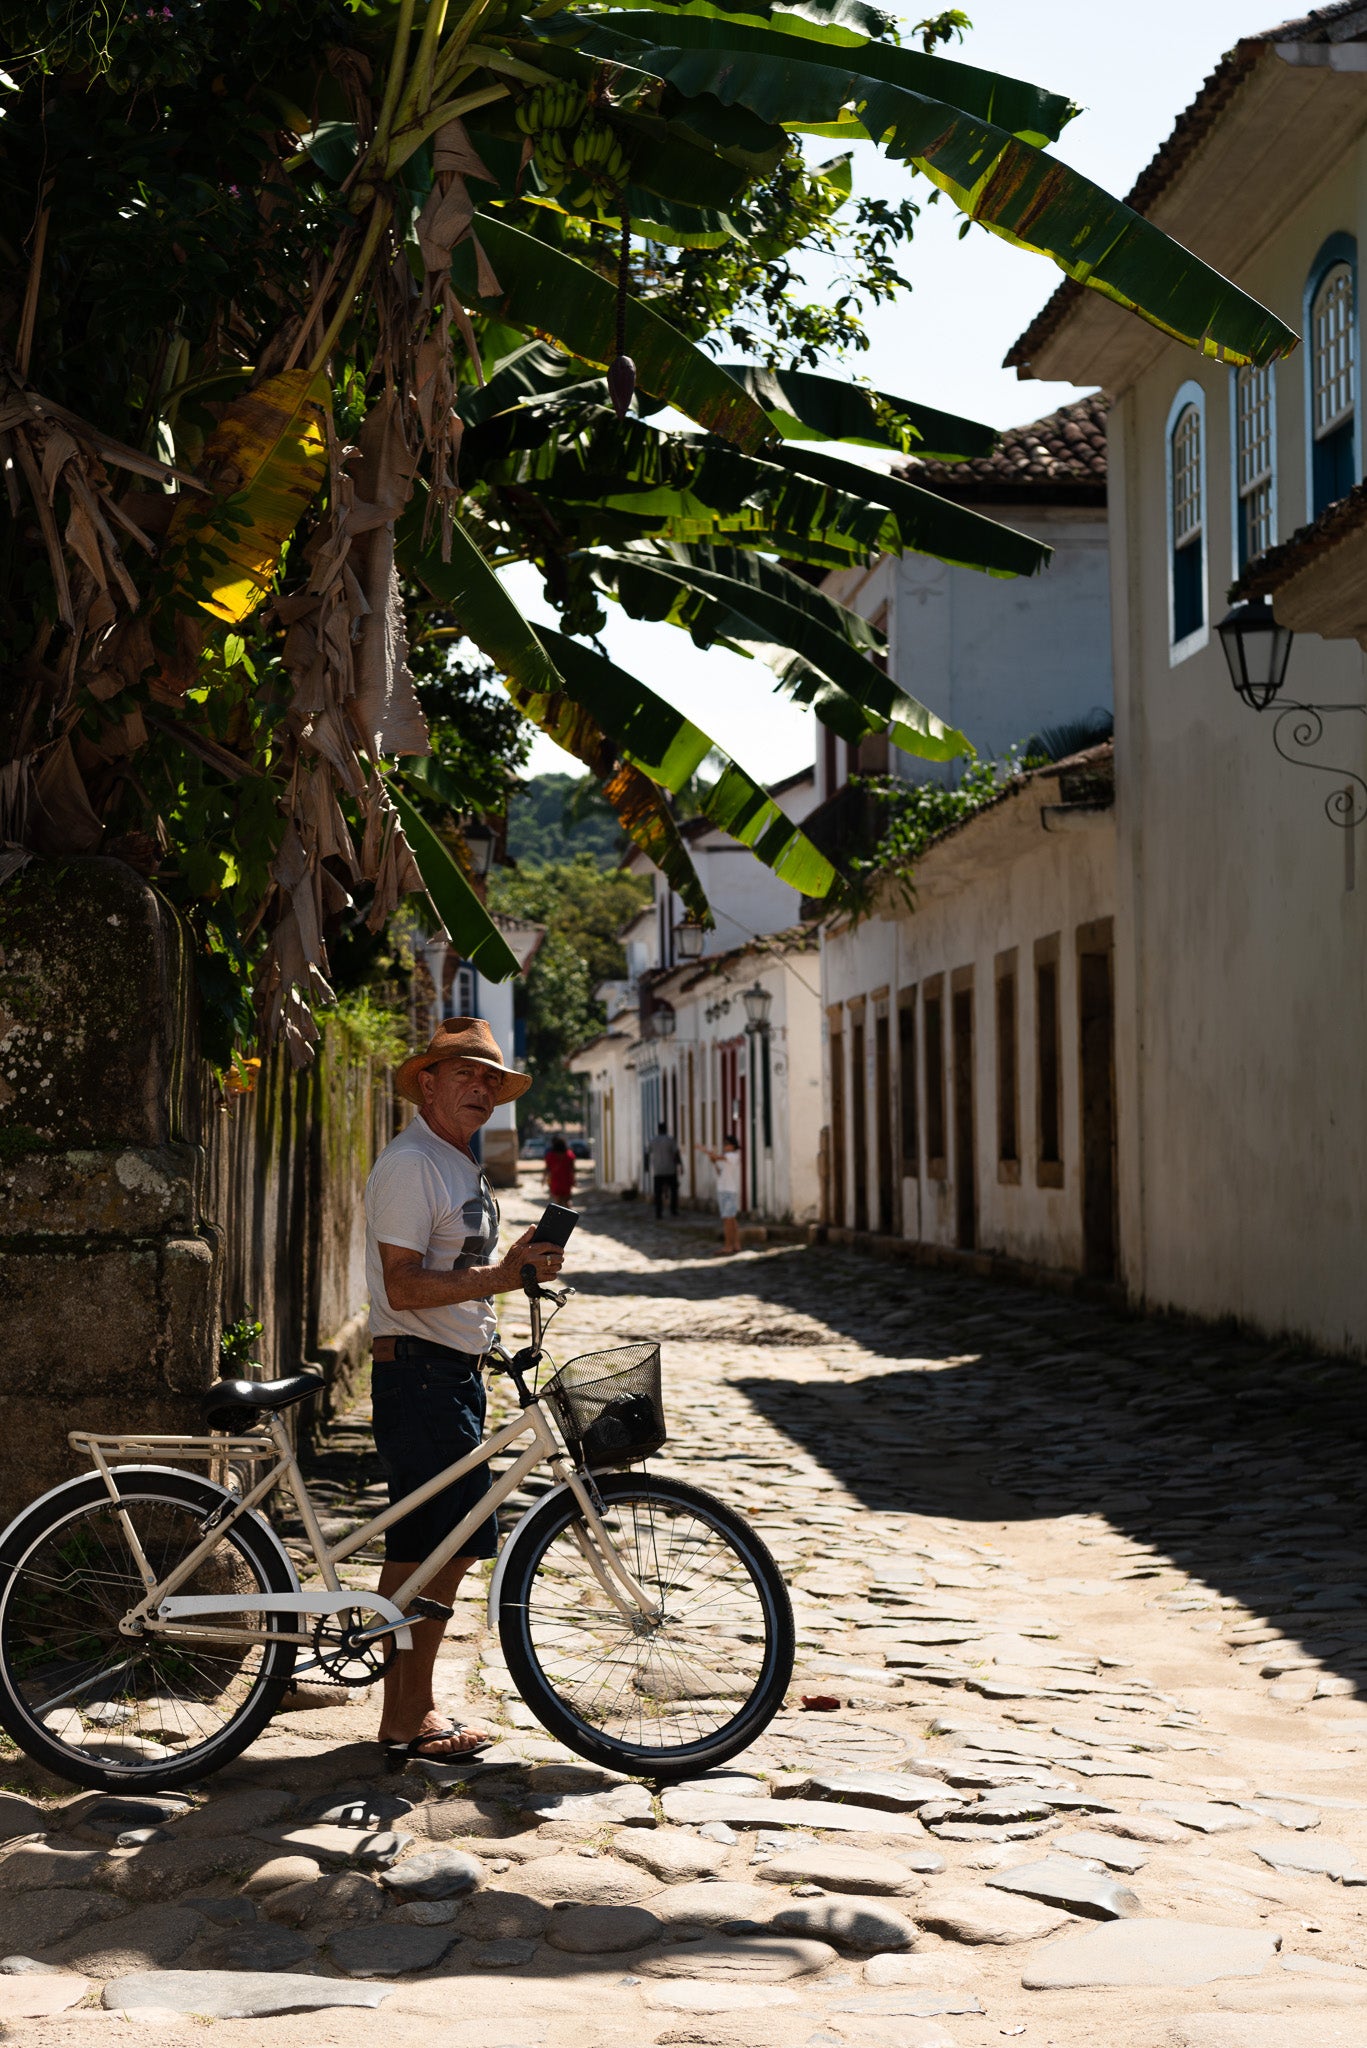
(1301, 726)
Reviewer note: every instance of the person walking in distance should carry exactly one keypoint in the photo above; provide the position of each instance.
(664, 1170)
(727, 1164)
(433, 1270)
(559, 1169)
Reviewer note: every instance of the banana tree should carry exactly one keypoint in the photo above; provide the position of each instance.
(323, 305)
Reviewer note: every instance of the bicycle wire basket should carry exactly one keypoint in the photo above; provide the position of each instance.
(610, 1405)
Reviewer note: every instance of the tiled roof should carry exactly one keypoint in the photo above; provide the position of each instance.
(1060, 459)
(1267, 573)
(1342, 23)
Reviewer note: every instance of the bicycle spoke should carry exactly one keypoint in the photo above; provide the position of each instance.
(665, 1684)
(97, 1692)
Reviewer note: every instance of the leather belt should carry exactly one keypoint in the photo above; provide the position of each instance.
(419, 1350)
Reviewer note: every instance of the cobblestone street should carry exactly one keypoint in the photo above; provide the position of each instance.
(1074, 1751)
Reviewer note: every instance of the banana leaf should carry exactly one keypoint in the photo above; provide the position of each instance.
(814, 645)
(996, 177)
(1010, 105)
(274, 442)
(468, 924)
(927, 523)
(690, 486)
(438, 780)
(805, 407)
(640, 808)
(669, 748)
(548, 292)
(467, 586)
(828, 21)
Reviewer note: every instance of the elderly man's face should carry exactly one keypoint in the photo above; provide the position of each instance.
(458, 1096)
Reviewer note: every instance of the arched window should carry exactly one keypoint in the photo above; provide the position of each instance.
(1255, 421)
(1186, 465)
(1332, 366)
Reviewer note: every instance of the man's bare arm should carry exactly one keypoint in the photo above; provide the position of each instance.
(408, 1285)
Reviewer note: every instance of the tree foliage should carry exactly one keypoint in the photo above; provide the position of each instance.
(315, 313)
(583, 909)
(555, 817)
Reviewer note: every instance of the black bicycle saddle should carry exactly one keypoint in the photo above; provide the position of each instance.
(232, 1403)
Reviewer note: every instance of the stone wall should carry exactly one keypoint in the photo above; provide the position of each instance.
(137, 1209)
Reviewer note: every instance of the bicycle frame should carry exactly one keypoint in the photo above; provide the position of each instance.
(164, 1612)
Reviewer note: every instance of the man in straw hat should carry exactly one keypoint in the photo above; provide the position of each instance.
(432, 1268)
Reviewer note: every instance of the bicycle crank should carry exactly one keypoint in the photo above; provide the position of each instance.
(346, 1653)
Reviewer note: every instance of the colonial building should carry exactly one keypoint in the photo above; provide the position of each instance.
(1001, 658)
(683, 1047)
(1241, 923)
(970, 1035)
(969, 1015)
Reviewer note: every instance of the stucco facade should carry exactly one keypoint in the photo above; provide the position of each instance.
(1241, 908)
(962, 1109)
(710, 1075)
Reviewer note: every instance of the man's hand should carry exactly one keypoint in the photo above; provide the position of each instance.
(546, 1259)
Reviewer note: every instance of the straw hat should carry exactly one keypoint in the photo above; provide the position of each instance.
(460, 1038)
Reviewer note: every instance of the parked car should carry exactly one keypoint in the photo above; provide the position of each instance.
(581, 1148)
(535, 1146)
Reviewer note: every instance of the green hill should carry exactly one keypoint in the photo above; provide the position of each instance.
(556, 817)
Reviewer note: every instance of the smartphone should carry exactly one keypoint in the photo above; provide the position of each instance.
(555, 1225)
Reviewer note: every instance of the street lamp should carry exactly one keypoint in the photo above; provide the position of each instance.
(758, 1003)
(689, 940)
(663, 1021)
(1257, 650)
(479, 844)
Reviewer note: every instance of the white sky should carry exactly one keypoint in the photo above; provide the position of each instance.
(1132, 71)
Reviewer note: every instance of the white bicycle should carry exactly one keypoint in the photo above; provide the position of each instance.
(151, 1619)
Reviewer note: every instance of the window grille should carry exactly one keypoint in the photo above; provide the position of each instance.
(1254, 441)
(1186, 477)
(1188, 525)
(1331, 323)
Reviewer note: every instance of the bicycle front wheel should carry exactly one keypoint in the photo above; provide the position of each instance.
(146, 1712)
(667, 1698)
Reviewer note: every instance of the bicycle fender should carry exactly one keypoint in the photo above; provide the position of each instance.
(83, 1479)
(505, 1554)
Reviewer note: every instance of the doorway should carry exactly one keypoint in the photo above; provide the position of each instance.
(1096, 1053)
(882, 1103)
(965, 1174)
(836, 1165)
(859, 1118)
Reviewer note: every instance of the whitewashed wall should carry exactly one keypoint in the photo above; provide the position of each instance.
(1001, 882)
(998, 657)
(1243, 1080)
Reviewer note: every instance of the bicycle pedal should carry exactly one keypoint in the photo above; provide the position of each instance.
(428, 1610)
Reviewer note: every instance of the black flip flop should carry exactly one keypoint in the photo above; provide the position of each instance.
(398, 1754)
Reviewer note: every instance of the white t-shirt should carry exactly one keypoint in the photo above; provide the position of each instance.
(429, 1197)
(728, 1174)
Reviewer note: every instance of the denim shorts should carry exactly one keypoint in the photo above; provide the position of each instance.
(728, 1206)
(426, 1415)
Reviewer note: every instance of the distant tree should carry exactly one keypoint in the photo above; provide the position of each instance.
(583, 910)
(557, 817)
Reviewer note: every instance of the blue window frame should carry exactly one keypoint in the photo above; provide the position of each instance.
(1332, 356)
(1253, 444)
(1187, 519)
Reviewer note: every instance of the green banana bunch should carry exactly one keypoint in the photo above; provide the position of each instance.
(597, 151)
(550, 107)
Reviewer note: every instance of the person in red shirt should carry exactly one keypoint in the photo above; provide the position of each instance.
(559, 1169)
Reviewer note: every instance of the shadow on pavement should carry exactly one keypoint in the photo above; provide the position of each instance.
(1237, 1459)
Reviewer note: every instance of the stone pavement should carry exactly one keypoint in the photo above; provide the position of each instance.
(1074, 1752)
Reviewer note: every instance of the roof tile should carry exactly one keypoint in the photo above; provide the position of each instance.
(1060, 459)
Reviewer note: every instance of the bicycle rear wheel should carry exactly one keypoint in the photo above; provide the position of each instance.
(663, 1699)
(101, 1708)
